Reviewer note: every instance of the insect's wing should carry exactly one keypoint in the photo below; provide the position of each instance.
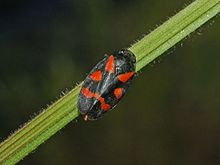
(120, 86)
(86, 99)
(114, 85)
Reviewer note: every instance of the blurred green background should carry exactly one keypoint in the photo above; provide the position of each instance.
(171, 114)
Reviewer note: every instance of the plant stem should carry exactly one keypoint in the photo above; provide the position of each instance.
(63, 111)
(174, 30)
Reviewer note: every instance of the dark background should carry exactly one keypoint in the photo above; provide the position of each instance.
(171, 114)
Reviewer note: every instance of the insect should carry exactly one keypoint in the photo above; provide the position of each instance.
(106, 84)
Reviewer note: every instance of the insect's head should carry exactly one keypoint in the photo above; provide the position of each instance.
(127, 54)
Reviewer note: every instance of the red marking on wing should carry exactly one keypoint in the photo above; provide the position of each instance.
(101, 99)
(96, 76)
(118, 92)
(125, 77)
(97, 96)
(88, 94)
(105, 107)
(110, 65)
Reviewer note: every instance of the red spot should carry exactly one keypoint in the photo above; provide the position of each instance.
(96, 76)
(110, 65)
(118, 92)
(101, 99)
(105, 107)
(125, 77)
(97, 96)
(87, 93)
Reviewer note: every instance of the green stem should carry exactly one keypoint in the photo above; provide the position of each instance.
(174, 30)
(55, 117)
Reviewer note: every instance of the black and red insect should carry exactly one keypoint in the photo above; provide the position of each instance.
(106, 84)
